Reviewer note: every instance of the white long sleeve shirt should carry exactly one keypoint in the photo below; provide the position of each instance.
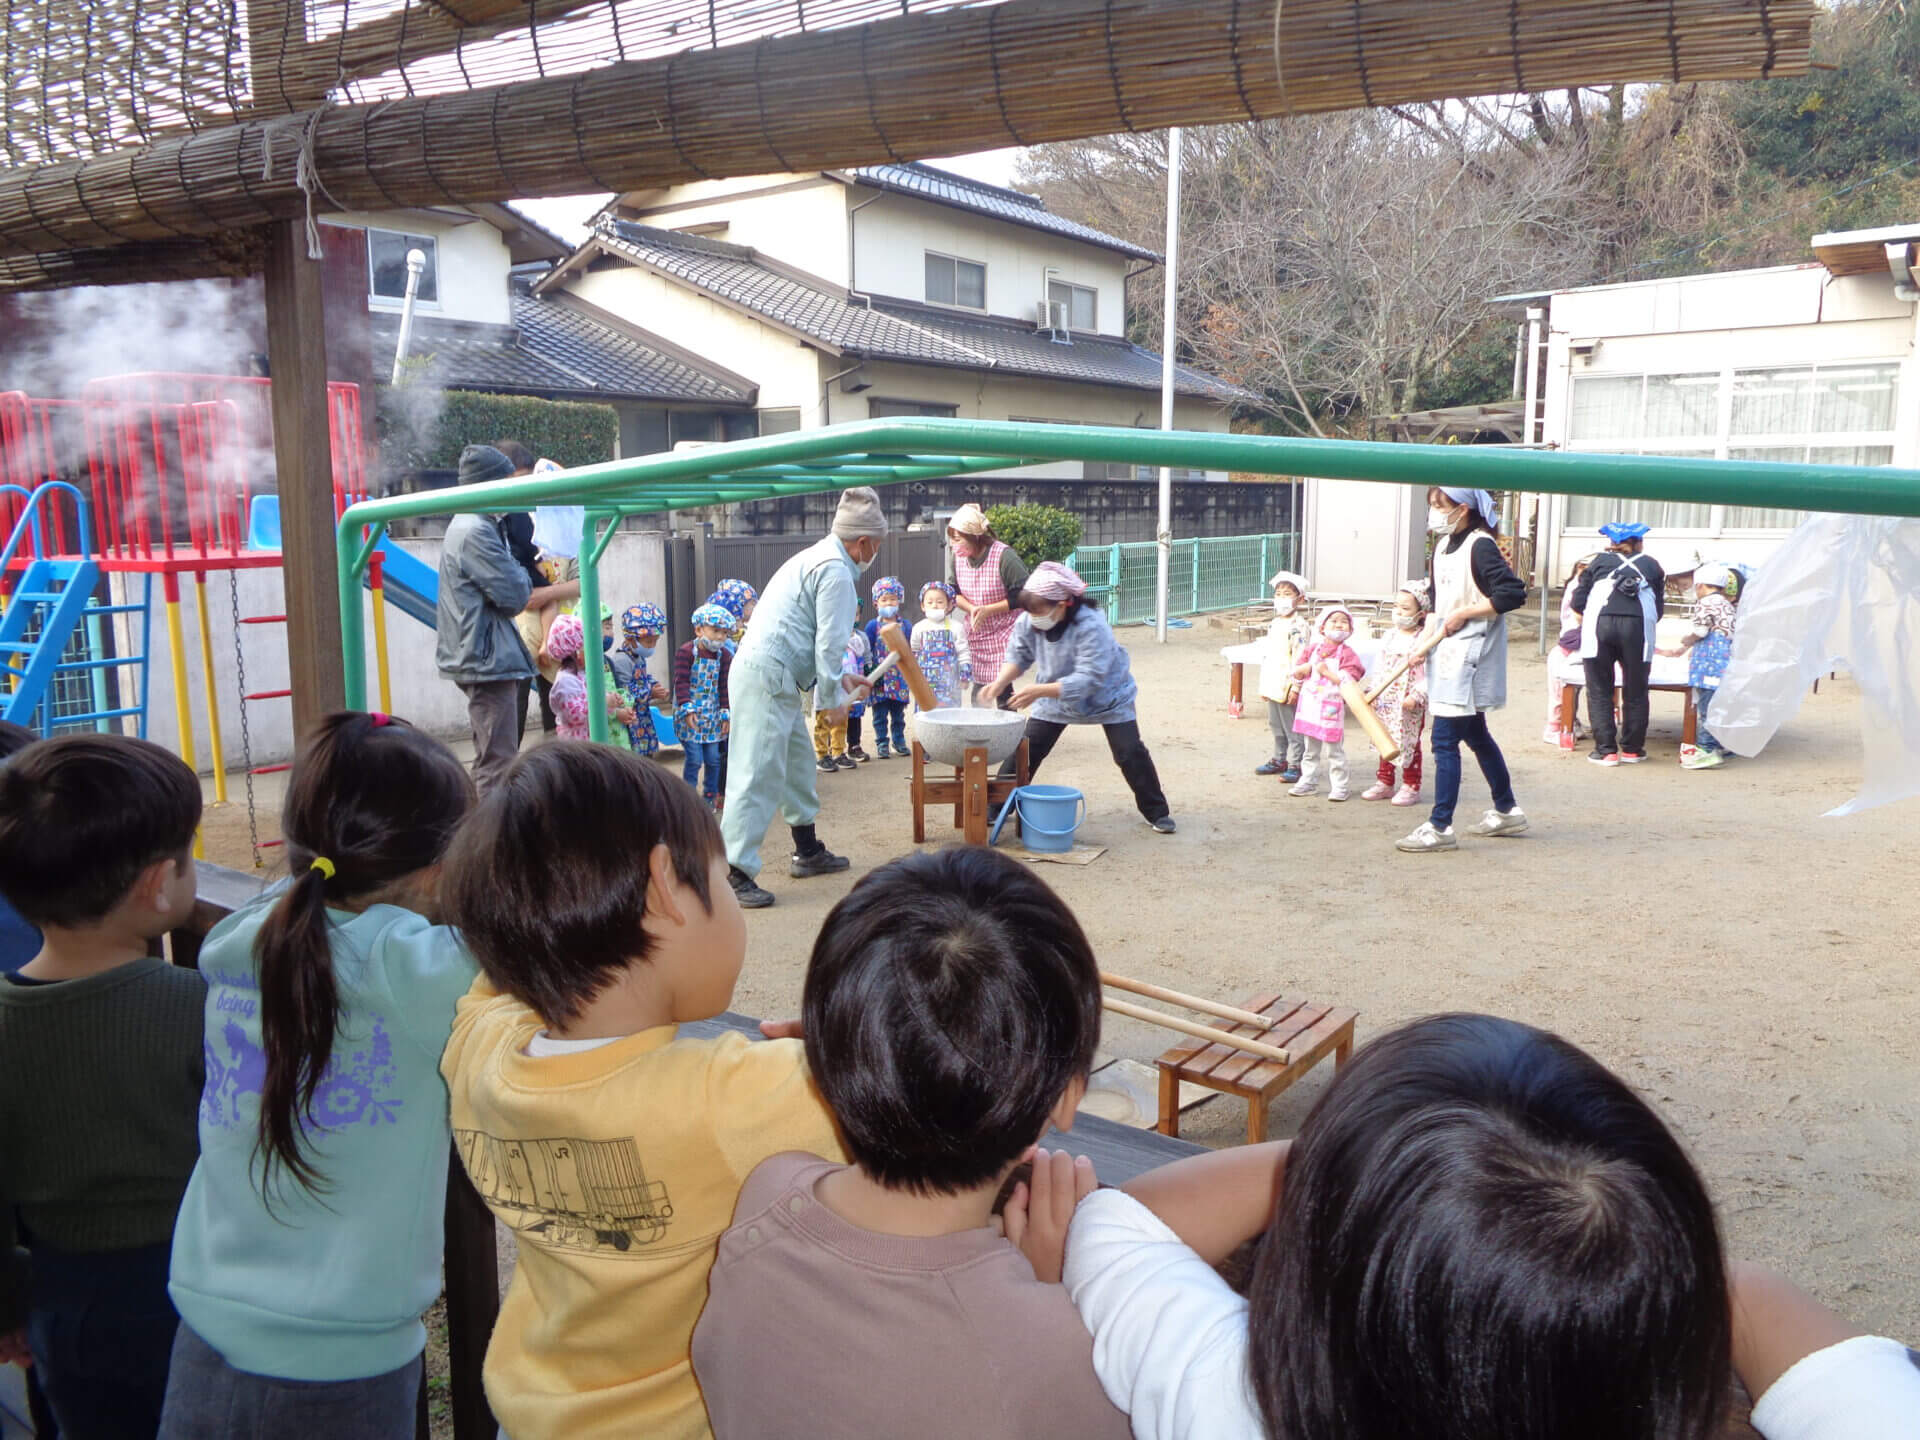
(1170, 1345)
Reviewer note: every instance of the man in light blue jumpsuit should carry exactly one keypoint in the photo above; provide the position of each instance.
(795, 643)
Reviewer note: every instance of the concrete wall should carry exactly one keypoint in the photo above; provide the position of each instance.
(632, 571)
(472, 257)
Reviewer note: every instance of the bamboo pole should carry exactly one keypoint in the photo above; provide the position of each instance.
(1189, 1002)
(1195, 1028)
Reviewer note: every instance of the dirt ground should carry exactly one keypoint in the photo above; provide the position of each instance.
(1739, 959)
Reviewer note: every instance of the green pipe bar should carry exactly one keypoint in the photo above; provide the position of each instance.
(809, 461)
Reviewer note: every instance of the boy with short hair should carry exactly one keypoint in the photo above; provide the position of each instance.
(101, 1069)
(951, 1011)
(592, 888)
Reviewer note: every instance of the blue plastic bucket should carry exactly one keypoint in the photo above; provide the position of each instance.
(1049, 815)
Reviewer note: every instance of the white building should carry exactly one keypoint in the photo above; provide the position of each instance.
(1812, 362)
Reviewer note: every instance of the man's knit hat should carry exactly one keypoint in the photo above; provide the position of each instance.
(859, 514)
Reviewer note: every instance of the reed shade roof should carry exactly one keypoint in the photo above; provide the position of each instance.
(921, 84)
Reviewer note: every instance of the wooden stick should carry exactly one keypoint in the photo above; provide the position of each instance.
(1435, 634)
(896, 641)
(1361, 704)
(1194, 1027)
(1189, 1002)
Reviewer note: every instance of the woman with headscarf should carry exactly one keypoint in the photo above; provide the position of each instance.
(986, 574)
(1620, 600)
(1473, 589)
(1084, 678)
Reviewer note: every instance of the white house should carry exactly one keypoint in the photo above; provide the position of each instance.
(887, 290)
(1812, 362)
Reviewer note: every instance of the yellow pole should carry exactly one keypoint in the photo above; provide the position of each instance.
(182, 709)
(213, 693)
(380, 633)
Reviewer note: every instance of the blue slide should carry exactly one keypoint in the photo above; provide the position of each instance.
(412, 585)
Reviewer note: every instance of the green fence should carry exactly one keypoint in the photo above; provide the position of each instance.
(1202, 575)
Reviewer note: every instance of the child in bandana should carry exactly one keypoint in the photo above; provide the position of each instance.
(1320, 713)
(737, 598)
(641, 626)
(567, 644)
(940, 644)
(701, 713)
(1708, 645)
(890, 693)
(1402, 706)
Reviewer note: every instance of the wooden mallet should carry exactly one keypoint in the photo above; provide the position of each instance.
(1361, 702)
(896, 640)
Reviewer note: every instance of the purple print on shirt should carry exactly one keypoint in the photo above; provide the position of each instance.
(356, 1088)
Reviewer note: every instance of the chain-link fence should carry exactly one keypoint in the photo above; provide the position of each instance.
(1202, 575)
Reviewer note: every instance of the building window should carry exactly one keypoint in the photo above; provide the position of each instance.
(1818, 414)
(387, 266)
(956, 282)
(779, 422)
(918, 409)
(1081, 302)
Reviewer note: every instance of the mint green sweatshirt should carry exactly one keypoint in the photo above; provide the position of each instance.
(328, 1286)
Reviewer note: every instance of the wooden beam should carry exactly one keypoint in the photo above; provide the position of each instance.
(303, 460)
(473, 1302)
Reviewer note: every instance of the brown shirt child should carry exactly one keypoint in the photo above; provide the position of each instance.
(817, 1328)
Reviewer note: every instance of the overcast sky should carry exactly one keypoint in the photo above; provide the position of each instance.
(567, 215)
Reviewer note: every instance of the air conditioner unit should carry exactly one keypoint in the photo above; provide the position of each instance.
(1051, 316)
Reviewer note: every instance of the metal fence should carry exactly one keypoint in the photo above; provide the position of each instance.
(1202, 575)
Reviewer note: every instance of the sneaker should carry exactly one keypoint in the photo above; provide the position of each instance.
(1271, 767)
(1338, 793)
(750, 895)
(821, 862)
(1406, 795)
(1551, 735)
(858, 756)
(1426, 839)
(880, 752)
(846, 762)
(1305, 787)
(1632, 757)
(1493, 823)
(1290, 775)
(1703, 760)
(1378, 790)
(825, 765)
(1610, 760)
(1163, 826)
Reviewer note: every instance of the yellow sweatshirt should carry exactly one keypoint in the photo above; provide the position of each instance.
(617, 1170)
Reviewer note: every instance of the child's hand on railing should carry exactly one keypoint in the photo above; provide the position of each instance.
(1038, 1212)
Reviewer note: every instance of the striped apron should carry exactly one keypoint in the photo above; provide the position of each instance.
(986, 638)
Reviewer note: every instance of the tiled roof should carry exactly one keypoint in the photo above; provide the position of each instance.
(944, 188)
(891, 330)
(557, 346)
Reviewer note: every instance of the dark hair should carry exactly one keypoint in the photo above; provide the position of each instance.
(378, 800)
(517, 454)
(1484, 1233)
(547, 880)
(951, 999)
(14, 738)
(82, 816)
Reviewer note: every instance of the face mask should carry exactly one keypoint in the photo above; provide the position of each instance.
(889, 612)
(936, 614)
(1406, 622)
(1044, 622)
(644, 649)
(707, 644)
(1283, 606)
(1439, 521)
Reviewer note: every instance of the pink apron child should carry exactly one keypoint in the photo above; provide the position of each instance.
(1320, 714)
(1402, 706)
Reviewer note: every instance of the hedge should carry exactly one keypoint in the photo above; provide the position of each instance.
(422, 428)
(1036, 532)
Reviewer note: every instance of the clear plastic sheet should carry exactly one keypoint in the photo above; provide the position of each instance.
(1843, 593)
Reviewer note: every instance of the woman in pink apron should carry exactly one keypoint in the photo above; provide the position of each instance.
(987, 574)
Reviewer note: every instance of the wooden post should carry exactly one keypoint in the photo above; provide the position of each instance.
(303, 460)
(473, 1302)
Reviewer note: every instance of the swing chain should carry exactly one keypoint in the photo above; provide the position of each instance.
(246, 738)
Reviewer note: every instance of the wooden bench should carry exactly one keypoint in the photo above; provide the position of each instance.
(1308, 1032)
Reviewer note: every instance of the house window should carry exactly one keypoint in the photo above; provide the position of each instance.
(779, 422)
(1818, 414)
(1082, 303)
(956, 282)
(387, 266)
(884, 409)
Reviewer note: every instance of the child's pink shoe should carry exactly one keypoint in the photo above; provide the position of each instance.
(1406, 795)
(1551, 735)
(1378, 790)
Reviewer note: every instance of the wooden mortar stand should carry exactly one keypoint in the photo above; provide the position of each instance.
(974, 791)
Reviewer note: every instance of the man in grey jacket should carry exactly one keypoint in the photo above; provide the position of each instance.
(482, 587)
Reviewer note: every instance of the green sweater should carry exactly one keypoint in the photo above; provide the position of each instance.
(99, 1101)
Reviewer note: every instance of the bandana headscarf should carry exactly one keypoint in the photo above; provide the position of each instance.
(1289, 577)
(1621, 531)
(1418, 590)
(1713, 573)
(735, 595)
(1320, 625)
(1051, 580)
(888, 587)
(969, 519)
(937, 587)
(567, 638)
(715, 615)
(644, 619)
(1478, 500)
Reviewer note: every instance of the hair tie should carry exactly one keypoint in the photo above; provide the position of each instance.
(379, 719)
(323, 865)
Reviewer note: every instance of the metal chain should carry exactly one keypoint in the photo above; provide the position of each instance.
(246, 739)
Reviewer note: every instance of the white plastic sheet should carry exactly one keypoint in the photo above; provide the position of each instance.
(1842, 593)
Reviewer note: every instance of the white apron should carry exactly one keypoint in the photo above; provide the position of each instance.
(1597, 600)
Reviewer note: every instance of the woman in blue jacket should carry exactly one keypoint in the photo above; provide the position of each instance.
(1083, 678)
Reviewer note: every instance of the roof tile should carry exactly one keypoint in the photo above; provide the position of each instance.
(945, 188)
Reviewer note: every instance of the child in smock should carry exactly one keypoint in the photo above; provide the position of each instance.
(641, 626)
(567, 643)
(1708, 646)
(1287, 640)
(1321, 715)
(702, 712)
(1402, 706)
(1564, 666)
(890, 693)
(940, 644)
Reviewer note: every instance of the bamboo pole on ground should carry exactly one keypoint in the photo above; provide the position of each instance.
(1188, 1002)
(1195, 1028)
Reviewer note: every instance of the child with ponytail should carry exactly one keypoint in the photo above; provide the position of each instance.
(309, 1240)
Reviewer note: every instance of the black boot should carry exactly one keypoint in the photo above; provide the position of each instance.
(750, 895)
(811, 858)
